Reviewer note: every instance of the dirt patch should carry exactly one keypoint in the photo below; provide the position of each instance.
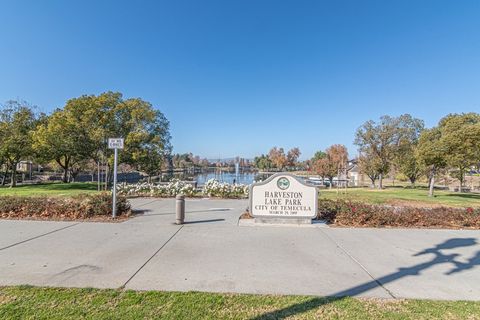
(246, 215)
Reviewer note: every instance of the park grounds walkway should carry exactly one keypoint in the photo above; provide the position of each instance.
(211, 252)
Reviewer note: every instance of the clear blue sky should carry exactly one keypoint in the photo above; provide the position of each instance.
(238, 77)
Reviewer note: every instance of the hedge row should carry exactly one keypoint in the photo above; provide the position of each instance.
(83, 206)
(358, 214)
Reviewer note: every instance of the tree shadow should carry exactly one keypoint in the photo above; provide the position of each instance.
(186, 212)
(138, 212)
(438, 258)
(473, 196)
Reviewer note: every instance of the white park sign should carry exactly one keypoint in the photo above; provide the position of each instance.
(283, 196)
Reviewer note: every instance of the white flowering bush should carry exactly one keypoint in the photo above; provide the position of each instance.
(213, 188)
(146, 189)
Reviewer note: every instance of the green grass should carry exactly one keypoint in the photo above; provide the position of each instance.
(400, 195)
(57, 189)
(53, 303)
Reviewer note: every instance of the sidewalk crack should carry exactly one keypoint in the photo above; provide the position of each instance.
(39, 236)
(359, 264)
(154, 254)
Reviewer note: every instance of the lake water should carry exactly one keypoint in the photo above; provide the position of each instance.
(229, 177)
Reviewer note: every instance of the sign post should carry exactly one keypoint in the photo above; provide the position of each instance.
(115, 144)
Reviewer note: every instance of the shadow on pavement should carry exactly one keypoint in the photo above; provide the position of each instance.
(438, 258)
(203, 221)
(186, 212)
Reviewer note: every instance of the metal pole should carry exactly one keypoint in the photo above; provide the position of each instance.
(114, 214)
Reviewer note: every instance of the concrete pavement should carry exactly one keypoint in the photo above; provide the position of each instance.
(212, 253)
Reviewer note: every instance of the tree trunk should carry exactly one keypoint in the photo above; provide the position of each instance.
(65, 168)
(432, 183)
(5, 173)
(13, 182)
(380, 181)
(412, 181)
(65, 175)
(331, 182)
(462, 177)
(372, 185)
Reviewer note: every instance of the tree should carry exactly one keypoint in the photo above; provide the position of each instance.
(292, 156)
(17, 123)
(325, 169)
(318, 166)
(318, 155)
(263, 162)
(278, 157)
(460, 136)
(409, 130)
(64, 138)
(382, 140)
(182, 160)
(377, 141)
(328, 164)
(338, 154)
(368, 165)
(431, 153)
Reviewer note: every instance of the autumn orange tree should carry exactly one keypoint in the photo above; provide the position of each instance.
(281, 160)
(330, 163)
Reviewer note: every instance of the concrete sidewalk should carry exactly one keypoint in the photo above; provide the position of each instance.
(212, 253)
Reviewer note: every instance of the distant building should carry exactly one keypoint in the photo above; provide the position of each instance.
(28, 166)
(353, 173)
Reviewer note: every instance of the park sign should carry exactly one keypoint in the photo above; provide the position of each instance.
(283, 195)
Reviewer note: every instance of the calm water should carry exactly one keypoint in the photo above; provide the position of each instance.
(229, 177)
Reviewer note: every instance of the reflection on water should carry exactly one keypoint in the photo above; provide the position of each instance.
(222, 176)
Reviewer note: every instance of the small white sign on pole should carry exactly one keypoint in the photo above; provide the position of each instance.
(115, 143)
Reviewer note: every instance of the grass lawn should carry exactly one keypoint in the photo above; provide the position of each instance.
(404, 196)
(52, 303)
(57, 189)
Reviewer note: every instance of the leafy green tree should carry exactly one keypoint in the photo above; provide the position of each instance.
(409, 130)
(263, 162)
(182, 160)
(460, 136)
(431, 152)
(382, 141)
(378, 141)
(65, 139)
(318, 155)
(368, 165)
(145, 130)
(17, 123)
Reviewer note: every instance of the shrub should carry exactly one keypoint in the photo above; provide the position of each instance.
(83, 206)
(213, 188)
(358, 214)
(145, 189)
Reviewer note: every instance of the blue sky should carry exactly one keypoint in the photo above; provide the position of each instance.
(238, 77)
